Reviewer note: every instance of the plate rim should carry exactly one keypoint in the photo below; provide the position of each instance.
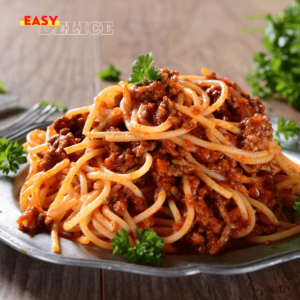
(98, 263)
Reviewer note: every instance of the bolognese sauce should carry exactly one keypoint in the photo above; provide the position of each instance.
(218, 221)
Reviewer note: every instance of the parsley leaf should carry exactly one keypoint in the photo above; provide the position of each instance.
(297, 208)
(11, 156)
(44, 103)
(288, 128)
(276, 71)
(110, 74)
(148, 248)
(60, 107)
(2, 90)
(142, 70)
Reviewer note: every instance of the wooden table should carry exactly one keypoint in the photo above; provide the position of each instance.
(183, 35)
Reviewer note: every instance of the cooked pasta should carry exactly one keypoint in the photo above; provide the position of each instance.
(191, 157)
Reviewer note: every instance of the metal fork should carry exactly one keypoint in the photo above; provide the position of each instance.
(18, 134)
(34, 118)
(36, 114)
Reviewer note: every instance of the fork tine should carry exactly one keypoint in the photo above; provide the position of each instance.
(25, 122)
(17, 135)
(21, 118)
(39, 114)
(29, 120)
(47, 115)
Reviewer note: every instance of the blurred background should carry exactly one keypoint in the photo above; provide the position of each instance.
(183, 35)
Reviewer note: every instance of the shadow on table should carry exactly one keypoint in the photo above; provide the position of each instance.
(23, 277)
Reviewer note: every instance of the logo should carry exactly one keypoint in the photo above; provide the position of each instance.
(83, 28)
(45, 21)
(50, 25)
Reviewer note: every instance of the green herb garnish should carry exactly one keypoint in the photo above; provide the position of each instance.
(110, 74)
(148, 248)
(60, 107)
(2, 89)
(142, 70)
(297, 208)
(276, 72)
(44, 103)
(288, 128)
(11, 156)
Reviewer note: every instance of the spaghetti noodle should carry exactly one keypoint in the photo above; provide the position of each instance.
(191, 157)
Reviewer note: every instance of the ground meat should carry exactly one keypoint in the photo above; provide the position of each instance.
(234, 214)
(264, 190)
(223, 112)
(205, 156)
(140, 148)
(257, 132)
(75, 124)
(161, 114)
(200, 133)
(114, 119)
(271, 168)
(117, 200)
(165, 109)
(56, 153)
(34, 217)
(161, 111)
(121, 198)
(210, 230)
(206, 218)
(229, 136)
(196, 239)
(238, 104)
(233, 174)
(209, 234)
(118, 98)
(168, 146)
(235, 179)
(221, 166)
(177, 167)
(119, 160)
(166, 85)
(258, 107)
(69, 132)
(264, 229)
(148, 111)
(166, 182)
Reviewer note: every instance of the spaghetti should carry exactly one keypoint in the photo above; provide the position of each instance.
(191, 157)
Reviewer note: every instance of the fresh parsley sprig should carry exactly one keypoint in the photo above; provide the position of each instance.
(60, 107)
(288, 128)
(148, 248)
(110, 74)
(142, 70)
(297, 208)
(2, 89)
(11, 156)
(276, 71)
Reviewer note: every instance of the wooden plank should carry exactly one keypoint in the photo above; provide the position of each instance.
(131, 286)
(183, 35)
(23, 277)
(278, 282)
(187, 36)
(60, 69)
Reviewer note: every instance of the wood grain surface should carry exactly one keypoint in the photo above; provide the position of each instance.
(183, 35)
